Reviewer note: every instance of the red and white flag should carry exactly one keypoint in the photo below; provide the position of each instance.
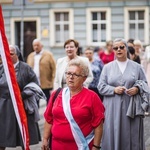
(13, 85)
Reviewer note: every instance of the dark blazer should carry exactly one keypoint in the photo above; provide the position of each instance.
(9, 130)
(26, 75)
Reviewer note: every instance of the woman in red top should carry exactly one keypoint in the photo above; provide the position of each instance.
(86, 109)
(107, 55)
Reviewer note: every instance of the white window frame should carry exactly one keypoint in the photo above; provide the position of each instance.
(146, 22)
(52, 26)
(12, 26)
(89, 28)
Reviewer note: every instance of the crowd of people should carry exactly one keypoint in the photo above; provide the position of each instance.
(102, 99)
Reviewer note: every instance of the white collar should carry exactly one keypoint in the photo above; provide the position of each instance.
(40, 53)
(16, 64)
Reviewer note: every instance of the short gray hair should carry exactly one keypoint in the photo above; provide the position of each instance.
(121, 40)
(138, 42)
(13, 46)
(36, 40)
(81, 64)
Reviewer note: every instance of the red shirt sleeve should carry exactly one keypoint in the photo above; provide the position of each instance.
(48, 112)
(98, 110)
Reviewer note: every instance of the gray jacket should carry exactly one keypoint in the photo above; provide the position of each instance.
(139, 103)
(33, 94)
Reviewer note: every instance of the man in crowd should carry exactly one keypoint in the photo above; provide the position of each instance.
(44, 66)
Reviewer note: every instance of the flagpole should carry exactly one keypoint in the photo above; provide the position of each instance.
(22, 28)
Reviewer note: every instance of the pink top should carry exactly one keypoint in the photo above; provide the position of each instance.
(106, 58)
(87, 110)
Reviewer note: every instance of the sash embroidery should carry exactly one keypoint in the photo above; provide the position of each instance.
(80, 140)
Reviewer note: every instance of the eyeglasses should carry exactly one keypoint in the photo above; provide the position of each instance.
(120, 47)
(75, 76)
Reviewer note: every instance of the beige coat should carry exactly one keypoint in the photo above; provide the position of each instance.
(47, 68)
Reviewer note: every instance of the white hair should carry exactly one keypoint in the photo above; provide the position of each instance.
(123, 41)
(12, 46)
(36, 40)
(138, 42)
(81, 64)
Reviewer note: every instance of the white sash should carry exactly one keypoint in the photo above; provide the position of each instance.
(80, 140)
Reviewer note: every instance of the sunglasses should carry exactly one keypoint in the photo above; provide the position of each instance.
(120, 47)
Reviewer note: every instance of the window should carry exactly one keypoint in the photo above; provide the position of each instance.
(31, 31)
(98, 26)
(136, 24)
(61, 26)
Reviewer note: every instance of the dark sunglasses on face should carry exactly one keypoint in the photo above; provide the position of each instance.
(120, 47)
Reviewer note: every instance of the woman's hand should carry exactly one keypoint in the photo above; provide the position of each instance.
(45, 145)
(132, 91)
(96, 147)
(46, 136)
(93, 148)
(119, 89)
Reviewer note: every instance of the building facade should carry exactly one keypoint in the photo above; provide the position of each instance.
(91, 22)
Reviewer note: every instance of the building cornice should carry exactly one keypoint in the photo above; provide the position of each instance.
(52, 1)
(72, 0)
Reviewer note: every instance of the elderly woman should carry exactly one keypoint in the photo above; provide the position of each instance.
(75, 119)
(123, 126)
(71, 47)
